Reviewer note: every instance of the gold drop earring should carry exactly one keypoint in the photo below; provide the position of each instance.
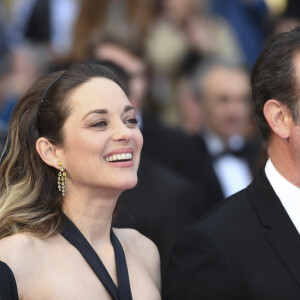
(62, 182)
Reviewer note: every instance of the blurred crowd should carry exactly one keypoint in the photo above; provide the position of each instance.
(187, 64)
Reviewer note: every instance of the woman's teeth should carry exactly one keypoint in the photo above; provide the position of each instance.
(119, 157)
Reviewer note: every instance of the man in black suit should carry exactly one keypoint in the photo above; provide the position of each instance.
(222, 87)
(249, 246)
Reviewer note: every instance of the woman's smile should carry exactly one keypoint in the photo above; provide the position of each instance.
(120, 158)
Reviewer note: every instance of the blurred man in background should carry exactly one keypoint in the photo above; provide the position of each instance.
(223, 90)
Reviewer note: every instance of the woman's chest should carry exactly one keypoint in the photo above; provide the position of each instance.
(63, 273)
(73, 282)
(70, 279)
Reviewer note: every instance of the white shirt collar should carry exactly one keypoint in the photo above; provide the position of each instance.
(288, 194)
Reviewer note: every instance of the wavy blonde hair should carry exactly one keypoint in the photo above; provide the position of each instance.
(30, 201)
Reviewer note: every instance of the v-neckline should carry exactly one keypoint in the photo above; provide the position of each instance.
(73, 235)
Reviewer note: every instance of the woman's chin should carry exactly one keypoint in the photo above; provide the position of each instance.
(130, 183)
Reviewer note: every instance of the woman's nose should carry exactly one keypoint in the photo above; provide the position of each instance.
(121, 133)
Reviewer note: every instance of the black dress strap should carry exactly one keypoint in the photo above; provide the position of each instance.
(76, 238)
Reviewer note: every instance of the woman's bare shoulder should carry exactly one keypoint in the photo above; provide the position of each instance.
(143, 249)
(18, 250)
(133, 239)
(16, 244)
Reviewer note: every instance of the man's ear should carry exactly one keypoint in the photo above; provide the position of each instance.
(48, 152)
(278, 117)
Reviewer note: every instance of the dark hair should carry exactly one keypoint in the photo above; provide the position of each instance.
(274, 76)
(123, 76)
(30, 201)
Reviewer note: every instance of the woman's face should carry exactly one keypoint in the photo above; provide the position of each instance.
(102, 143)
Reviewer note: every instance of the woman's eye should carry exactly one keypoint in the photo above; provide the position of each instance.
(132, 122)
(100, 124)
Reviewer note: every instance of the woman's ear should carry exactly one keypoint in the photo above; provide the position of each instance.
(278, 117)
(47, 151)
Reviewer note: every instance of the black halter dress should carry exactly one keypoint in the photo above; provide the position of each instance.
(76, 238)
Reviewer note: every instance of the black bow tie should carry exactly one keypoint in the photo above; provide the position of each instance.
(237, 153)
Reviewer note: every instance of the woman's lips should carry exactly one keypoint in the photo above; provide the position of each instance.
(120, 158)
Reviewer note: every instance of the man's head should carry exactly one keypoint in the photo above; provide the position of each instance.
(275, 81)
(224, 89)
(132, 62)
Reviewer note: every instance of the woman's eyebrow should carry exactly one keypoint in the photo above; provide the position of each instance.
(128, 108)
(105, 111)
(96, 111)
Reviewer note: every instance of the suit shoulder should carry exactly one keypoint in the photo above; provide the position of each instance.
(234, 210)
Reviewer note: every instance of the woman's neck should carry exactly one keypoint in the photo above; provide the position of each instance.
(92, 215)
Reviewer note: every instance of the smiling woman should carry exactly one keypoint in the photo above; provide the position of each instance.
(73, 147)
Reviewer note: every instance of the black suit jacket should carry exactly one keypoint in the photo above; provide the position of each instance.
(184, 155)
(248, 248)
